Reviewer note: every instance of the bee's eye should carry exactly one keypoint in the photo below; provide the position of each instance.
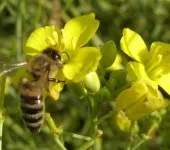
(57, 57)
(52, 53)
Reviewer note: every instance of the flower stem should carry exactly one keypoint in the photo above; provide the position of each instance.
(86, 145)
(56, 131)
(2, 93)
(59, 143)
(103, 118)
(138, 144)
(78, 136)
(19, 27)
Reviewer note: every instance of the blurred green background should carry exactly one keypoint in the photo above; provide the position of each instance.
(18, 18)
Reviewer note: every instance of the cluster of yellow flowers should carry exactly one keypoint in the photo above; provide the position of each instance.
(148, 70)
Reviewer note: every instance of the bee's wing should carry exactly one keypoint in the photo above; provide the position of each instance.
(7, 68)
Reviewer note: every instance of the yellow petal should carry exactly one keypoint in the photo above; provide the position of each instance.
(136, 72)
(42, 38)
(131, 95)
(85, 60)
(133, 45)
(78, 31)
(139, 100)
(123, 122)
(164, 82)
(55, 89)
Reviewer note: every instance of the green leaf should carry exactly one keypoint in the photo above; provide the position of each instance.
(103, 95)
(109, 52)
(119, 76)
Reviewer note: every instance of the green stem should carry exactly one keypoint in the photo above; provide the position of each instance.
(52, 126)
(103, 118)
(38, 14)
(2, 93)
(56, 131)
(2, 5)
(19, 27)
(59, 143)
(86, 145)
(92, 115)
(78, 136)
(138, 144)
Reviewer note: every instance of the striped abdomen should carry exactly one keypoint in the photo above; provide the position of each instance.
(32, 106)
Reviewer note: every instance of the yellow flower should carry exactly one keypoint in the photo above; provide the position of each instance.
(148, 71)
(150, 66)
(68, 42)
(139, 100)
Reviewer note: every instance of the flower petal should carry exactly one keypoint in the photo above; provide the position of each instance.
(123, 122)
(153, 102)
(164, 82)
(54, 90)
(133, 45)
(161, 71)
(139, 100)
(161, 49)
(84, 61)
(79, 30)
(129, 96)
(42, 38)
(136, 72)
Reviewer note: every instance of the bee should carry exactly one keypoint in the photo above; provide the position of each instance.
(32, 93)
(43, 69)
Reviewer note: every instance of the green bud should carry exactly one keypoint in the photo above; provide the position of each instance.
(91, 82)
(77, 89)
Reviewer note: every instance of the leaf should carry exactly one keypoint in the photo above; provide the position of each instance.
(109, 52)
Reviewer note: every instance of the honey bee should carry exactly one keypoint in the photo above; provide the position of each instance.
(32, 93)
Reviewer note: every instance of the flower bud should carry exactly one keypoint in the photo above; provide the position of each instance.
(122, 122)
(91, 82)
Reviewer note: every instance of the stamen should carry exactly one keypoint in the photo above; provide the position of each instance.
(55, 36)
(155, 63)
(50, 41)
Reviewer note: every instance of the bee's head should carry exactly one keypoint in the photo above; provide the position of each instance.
(52, 53)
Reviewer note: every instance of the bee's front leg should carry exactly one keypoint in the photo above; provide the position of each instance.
(55, 80)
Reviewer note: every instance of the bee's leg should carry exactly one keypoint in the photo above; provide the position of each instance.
(55, 80)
